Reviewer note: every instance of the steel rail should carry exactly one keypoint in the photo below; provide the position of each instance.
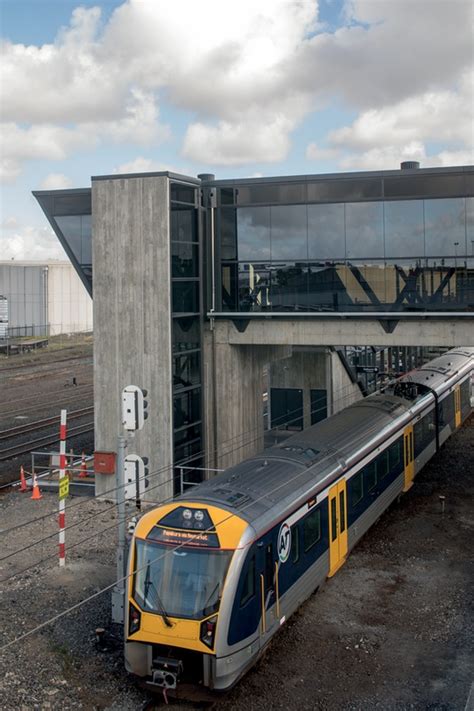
(40, 424)
(25, 448)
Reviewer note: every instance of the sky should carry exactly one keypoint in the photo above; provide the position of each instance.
(239, 89)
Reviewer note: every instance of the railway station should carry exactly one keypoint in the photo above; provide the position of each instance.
(209, 293)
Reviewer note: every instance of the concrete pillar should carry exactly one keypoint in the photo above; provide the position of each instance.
(233, 386)
(315, 369)
(132, 324)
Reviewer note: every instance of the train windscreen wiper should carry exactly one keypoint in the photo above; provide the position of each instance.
(149, 584)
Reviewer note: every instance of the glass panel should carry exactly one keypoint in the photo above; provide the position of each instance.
(184, 259)
(357, 489)
(312, 529)
(445, 227)
(183, 224)
(295, 544)
(186, 585)
(71, 228)
(86, 229)
(326, 238)
(382, 465)
(186, 334)
(73, 204)
(230, 287)
(187, 408)
(254, 287)
(289, 232)
(225, 196)
(470, 225)
(251, 194)
(227, 230)
(248, 589)
(342, 510)
(370, 476)
(187, 435)
(327, 288)
(253, 233)
(289, 286)
(187, 453)
(340, 190)
(364, 230)
(183, 193)
(186, 371)
(425, 186)
(185, 297)
(404, 229)
(394, 455)
(333, 519)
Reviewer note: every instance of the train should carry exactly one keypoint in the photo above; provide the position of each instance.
(215, 574)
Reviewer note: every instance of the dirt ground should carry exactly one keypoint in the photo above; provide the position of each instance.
(392, 630)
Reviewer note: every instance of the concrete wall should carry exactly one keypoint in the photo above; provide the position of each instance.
(419, 330)
(315, 369)
(69, 304)
(132, 325)
(233, 387)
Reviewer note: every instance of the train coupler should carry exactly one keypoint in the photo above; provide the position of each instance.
(166, 672)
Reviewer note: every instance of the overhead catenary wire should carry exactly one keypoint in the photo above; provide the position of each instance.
(168, 468)
(322, 460)
(123, 578)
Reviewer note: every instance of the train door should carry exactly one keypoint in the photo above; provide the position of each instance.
(457, 406)
(268, 583)
(409, 457)
(337, 499)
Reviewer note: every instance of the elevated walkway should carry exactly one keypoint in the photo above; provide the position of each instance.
(437, 329)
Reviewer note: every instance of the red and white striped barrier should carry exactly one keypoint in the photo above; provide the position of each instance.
(62, 502)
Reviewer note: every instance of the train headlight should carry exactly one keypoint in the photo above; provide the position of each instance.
(187, 514)
(199, 515)
(134, 618)
(208, 631)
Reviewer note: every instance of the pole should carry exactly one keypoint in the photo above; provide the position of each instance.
(62, 502)
(118, 594)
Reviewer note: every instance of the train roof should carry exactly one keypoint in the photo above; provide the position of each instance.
(261, 488)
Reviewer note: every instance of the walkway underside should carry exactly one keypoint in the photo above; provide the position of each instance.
(412, 329)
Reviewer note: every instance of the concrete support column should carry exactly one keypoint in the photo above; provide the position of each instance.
(234, 386)
(132, 320)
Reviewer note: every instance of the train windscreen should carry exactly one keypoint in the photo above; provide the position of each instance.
(185, 582)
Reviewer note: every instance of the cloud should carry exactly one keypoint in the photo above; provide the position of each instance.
(25, 242)
(55, 181)
(380, 138)
(147, 165)
(248, 73)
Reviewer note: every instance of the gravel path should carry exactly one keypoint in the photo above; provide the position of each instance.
(392, 630)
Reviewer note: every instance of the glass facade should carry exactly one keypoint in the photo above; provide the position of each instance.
(70, 215)
(186, 334)
(365, 255)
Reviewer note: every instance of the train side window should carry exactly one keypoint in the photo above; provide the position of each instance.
(357, 489)
(295, 544)
(465, 395)
(333, 519)
(312, 529)
(342, 510)
(382, 465)
(370, 476)
(248, 590)
(394, 455)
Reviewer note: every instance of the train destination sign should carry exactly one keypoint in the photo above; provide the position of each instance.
(199, 539)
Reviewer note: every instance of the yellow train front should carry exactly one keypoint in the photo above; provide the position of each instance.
(179, 565)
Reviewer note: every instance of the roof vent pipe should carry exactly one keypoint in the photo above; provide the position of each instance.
(206, 177)
(408, 165)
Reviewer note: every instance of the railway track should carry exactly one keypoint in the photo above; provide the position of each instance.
(46, 441)
(41, 424)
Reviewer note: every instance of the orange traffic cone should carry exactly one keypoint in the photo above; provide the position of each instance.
(23, 486)
(83, 472)
(36, 495)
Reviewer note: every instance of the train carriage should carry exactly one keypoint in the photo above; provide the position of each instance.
(216, 573)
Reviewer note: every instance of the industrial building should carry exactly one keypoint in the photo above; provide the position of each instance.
(210, 293)
(42, 299)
